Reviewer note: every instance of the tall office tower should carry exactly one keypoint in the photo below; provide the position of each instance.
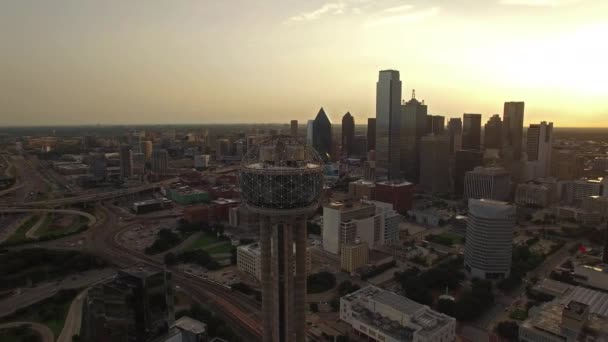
(566, 164)
(492, 183)
(513, 128)
(126, 161)
(435, 124)
(492, 133)
(99, 166)
(88, 141)
(321, 135)
(539, 144)
(388, 124)
(464, 161)
(309, 131)
(455, 134)
(160, 162)
(435, 164)
(371, 134)
(413, 128)
(294, 128)
(348, 134)
(135, 305)
(281, 180)
(360, 145)
(605, 249)
(146, 149)
(487, 253)
(223, 149)
(471, 132)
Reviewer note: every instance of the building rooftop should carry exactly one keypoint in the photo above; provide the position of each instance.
(403, 318)
(548, 318)
(394, 183)
(191, 325)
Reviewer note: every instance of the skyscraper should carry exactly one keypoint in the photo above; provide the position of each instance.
(489, 238)
(464, 160)
(435, 164)
(538, 149)
(435, 124)
(146, 149)
(348, 134)
(160, 162)
(455, 134)
(126, 161)
(513, 128)
(388, 130)
(492, 183)
(321, 135)
(135, 305)
(471, 132)
(309, 131)
(294, 128)
(281, 180)
(492, 133)
(371, 134)
(413, 128)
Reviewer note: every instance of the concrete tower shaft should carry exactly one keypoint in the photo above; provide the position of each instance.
(281, 180)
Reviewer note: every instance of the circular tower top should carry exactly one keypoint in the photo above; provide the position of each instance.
(281, 176)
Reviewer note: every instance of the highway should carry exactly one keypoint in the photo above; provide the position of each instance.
(73, 320)
(238, 310)
(45, 333)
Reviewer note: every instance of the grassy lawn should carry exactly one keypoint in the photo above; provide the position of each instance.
(19, 334)
(220, 249)
(45, 229)
(19, 234)
(50, 312)
(204, 240)
(518, 314)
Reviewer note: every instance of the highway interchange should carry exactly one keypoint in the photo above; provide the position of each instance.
(241, 312)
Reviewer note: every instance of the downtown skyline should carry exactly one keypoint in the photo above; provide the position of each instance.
(196, 62)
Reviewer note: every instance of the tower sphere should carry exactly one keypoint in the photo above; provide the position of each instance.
(281, 176)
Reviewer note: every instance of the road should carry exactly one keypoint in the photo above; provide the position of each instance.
(238, 310)
(498, 312)
(45, 333)
(32, 295)
(73, 319)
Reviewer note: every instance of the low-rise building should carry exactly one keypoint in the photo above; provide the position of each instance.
(530, 194)
(596, 204)
(385, 316)
(558, 322)
(579, 215)
(595, 276)
(354, 255)
(147, 206)
(398, 193)
(362, 189)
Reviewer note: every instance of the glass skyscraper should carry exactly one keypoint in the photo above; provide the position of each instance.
(388, 115)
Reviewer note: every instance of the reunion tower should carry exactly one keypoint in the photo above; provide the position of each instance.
(281, 179)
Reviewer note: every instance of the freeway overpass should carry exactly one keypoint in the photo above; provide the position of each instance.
(94, 197)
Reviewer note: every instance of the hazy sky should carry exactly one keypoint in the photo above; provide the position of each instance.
(199, 61)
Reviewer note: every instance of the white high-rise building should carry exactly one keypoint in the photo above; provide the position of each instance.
(489, 239)
(388, 124)
(538, 148)
(375, 223)
(487, 182)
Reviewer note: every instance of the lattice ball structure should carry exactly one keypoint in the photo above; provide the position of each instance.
(281, 176)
